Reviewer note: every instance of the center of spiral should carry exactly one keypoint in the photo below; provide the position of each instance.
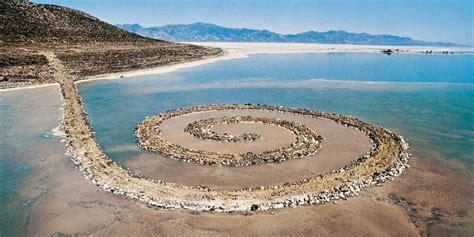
(149, 136)
(202, 129)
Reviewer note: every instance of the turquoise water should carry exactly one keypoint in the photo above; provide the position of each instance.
(427, 98)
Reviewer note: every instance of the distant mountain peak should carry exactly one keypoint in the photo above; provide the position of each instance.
(202, 31)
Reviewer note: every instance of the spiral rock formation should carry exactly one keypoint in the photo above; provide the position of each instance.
(149, 136)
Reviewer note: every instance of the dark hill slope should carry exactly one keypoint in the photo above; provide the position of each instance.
(84, 44)
(55, 24)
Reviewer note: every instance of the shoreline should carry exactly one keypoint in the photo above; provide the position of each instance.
(275, 46)
(158, 70)
(232, 50)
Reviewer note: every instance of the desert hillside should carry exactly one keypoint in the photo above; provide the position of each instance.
(86, 45)
(41, 23)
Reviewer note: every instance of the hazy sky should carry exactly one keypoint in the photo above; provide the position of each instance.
(432, 20)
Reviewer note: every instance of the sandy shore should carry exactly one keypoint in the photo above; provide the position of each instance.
(29, 87)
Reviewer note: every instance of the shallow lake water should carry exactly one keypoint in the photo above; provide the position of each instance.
(27, 118)
(429, 99)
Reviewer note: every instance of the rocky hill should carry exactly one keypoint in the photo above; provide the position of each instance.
(86, 45)
(197, 32)
(40, 23)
